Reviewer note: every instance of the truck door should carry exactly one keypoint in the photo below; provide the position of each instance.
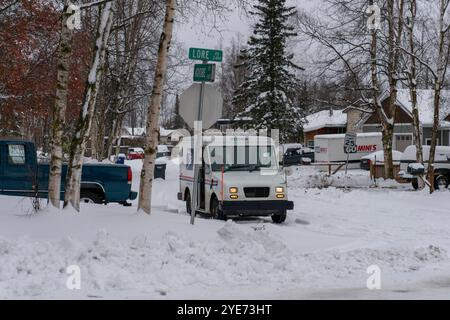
(18, 169)
(202, 179)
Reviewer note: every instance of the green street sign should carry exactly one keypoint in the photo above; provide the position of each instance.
(205, 54)
(204, 72)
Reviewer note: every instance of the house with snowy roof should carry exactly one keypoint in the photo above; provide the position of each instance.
(359, 121)
(324, 122)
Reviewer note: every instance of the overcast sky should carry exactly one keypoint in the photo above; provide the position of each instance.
(194, 34)
(201, 34)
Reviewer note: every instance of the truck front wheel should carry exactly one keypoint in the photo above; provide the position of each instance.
(279, 217)
(187, 198)
(215, 210)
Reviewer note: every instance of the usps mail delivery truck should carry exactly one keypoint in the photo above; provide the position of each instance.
(330, 148)
(239, 176)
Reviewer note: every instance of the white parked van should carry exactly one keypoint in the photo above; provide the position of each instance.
(239, 176)
(330, 147)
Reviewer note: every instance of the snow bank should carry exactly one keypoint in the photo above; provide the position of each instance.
(311, 177)
(237, 257)
(328, 241)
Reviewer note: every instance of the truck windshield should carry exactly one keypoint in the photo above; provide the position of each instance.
(242, 158)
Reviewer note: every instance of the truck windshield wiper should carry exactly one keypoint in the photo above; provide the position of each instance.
(249, 167)
(237, 166)
(254, 167)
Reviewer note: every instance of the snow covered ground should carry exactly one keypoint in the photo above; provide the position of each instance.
(322, 251)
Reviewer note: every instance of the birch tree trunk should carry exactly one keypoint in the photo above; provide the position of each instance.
(152, 126)
(118, 136)
(111, 138)
(394, 39)
(78, 144)
(100, 140)
(387, 128)
(59, 109)
(442, 64)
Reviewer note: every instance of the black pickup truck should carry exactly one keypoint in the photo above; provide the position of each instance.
(22, 175)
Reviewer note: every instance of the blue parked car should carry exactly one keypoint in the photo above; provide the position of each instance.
(22, 175)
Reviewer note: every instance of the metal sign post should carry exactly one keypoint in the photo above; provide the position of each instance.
(198, 143)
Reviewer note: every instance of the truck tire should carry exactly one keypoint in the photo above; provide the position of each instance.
(279, 217)
(415, 184)
(187, 198)
(441, 183)
(90, 197)
(215, 210)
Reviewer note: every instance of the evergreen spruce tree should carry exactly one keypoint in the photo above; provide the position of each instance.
(269, 93)
(177, 121)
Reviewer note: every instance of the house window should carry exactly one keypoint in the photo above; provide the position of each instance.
(310, 144)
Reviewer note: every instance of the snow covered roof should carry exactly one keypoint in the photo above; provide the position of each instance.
(425, 105)
(137, 131)
(165, 132)
(342, 135)
(325, 119)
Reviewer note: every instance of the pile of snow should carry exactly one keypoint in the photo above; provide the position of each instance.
(95, 161)
(379, 156)
(341, 264)
(235, 256)
(312, 177)
(284, 147)
(328, 241)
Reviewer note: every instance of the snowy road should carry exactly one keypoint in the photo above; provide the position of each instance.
(322, 251)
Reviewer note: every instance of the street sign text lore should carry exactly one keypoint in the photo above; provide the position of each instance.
(205, 54)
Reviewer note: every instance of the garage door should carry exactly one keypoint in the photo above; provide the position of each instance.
(402, 141)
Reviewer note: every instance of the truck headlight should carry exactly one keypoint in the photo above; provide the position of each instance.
(234, 196)
(233, 190)
(279, 189)
(280, 196)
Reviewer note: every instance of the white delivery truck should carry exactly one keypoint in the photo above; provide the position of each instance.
(329, 148)
(239, 176)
